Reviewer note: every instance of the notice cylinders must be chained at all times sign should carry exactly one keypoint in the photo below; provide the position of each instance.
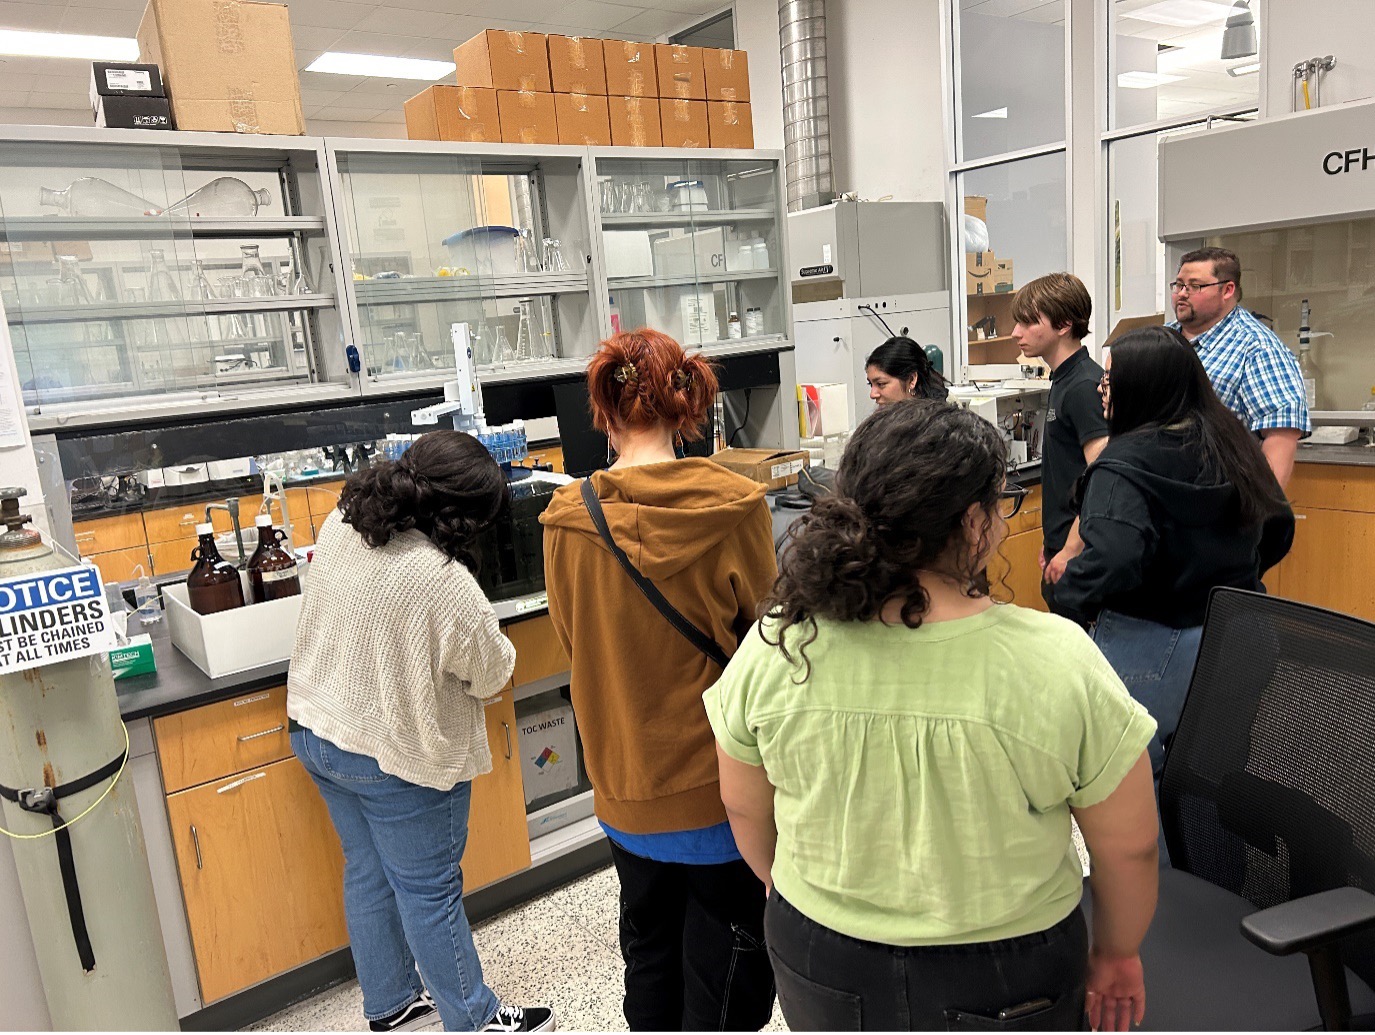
(52, 616)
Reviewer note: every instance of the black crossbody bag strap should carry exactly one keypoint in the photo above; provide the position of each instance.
(690, 632)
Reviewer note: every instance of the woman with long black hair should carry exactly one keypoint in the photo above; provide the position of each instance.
(1180, 501)
(900, 369)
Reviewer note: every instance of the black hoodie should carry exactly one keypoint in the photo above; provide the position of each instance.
(1159, 535)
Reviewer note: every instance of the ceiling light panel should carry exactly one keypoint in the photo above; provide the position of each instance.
(337, 63)
(1182, 13)
(66, 45)
(1146, 80)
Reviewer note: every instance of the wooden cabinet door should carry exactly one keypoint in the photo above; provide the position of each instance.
(261, 873)
(1330, 562)
(119, 565)
(498, 838)
(102, 535)
(538, 651)
(1015, 573)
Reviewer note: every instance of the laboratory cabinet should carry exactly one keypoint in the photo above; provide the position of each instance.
(1334, 539)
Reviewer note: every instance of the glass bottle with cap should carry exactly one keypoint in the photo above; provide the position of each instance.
(272, 571)
(213, 584)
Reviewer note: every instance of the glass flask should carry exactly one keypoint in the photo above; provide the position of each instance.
(553, 256)
(92, 196)
(525, 344)
(72, 288)
(226, 197)
(501, 349)
(162, 286)
(527, 258)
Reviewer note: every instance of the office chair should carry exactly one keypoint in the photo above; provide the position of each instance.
(1267, 803)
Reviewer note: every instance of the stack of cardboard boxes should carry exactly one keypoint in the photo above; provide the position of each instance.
(984, 273)
(528, 88)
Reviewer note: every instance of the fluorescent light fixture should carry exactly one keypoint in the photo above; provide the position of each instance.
(382, 67)
(1185, 14)
(1146, 80)
(67, 45)
(1251, 68)
(996, 113)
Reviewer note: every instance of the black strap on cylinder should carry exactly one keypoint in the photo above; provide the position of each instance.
(43, 801)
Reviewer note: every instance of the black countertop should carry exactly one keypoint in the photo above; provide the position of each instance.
(1353, 454)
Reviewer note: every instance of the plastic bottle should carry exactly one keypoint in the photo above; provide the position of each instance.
(760, 252)
(733, 326)
(272, 572)
(615, 316)
(213, 584)
(148, 603)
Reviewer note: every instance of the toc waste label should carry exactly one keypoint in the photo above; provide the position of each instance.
(52, 616)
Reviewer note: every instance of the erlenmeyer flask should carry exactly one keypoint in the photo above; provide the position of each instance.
(527, 261)
(257, 284)
(162, 286)
(501, 350)
(92, 196)
(73, 284)
(525, 345)
(201, 288)
(225, 197)
(553, 256)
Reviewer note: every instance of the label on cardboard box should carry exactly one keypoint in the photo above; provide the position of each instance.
(127, 79)
(787, 470)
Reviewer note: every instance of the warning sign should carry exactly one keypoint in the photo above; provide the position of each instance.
(52, 616)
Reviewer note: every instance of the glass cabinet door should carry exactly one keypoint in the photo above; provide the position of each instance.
(446, 244)
(692, 247)
(135, 271)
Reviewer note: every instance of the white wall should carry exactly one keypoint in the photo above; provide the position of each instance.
(1293, 30)
(756, 31)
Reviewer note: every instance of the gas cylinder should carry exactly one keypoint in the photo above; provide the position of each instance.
(59, 723)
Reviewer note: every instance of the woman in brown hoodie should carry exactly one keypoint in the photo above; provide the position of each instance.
(691, 911)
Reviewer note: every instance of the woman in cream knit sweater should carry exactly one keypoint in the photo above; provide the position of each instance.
(395, 651)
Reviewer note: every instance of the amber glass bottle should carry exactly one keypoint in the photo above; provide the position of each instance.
(272, 572)
(213, 584)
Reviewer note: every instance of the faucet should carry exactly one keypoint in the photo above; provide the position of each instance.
(274, 489)
(231, 507)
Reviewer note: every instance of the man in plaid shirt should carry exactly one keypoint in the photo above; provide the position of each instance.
(1253, 373)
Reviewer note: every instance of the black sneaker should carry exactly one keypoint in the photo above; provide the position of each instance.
(522, 1018)
(417, 1015)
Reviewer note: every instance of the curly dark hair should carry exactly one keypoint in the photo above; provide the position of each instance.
(908, 476)
(446, 486)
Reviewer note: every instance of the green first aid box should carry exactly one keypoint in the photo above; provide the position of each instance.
(133, 659)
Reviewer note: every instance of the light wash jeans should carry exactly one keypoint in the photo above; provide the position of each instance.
(1157, 664)
(403, 888)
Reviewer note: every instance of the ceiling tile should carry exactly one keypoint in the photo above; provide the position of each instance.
(328, 82)
(382, 43)
(340, 114)
(593, 12)
(314, 39)
(328, 14)
(412, 23)
(435, 50)
(136, 6)
(518, 10)
(31, 17)
(655, 23)
(95, 21)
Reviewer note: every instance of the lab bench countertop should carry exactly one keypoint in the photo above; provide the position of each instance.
(1355, 454)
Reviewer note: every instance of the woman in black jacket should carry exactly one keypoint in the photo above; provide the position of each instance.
(1180, 501)
(900, 369)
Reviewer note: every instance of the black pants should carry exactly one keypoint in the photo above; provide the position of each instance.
(693, 942)
(828, 982)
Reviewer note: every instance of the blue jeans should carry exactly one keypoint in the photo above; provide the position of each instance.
(1156, 663)
(403, 888)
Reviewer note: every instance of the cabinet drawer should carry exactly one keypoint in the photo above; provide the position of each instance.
(119, 565)
(172, 556)
(102, 535)
(261, 876)
(171, 523)
(218, 740)
(1333, 487)
(538, 651)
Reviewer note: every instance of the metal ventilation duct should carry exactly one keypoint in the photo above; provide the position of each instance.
(806, 110)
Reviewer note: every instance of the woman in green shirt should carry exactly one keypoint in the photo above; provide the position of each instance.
(900, 759)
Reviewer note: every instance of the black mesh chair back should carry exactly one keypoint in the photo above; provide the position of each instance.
(1269, 785)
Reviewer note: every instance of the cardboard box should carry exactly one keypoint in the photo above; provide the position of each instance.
(976, 206)
(226, 67)
(500, 60)
(635, 122)
(582, 119)
(1133, 323)
(730, 124)
(577, 65)
(684, 123)
(681, 71)
(463, 113)
(1002, 277)
(135, 658)
(137, 112)
(985, 274)
(124, 79)
(630, 69)
(527, 118)
(727, 74)
(775, 468)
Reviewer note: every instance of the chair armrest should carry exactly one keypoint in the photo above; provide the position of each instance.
(1310, 922)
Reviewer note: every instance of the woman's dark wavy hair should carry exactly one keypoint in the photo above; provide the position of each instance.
(908, 476)
(446, 486)
(902, 357)
(1158, 382)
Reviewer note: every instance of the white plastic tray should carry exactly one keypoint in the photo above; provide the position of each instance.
(236, 640)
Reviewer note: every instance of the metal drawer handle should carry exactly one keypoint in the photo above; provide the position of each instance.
(239, 783)
(187, 519)
(1300, 517)
(195, 840)
(507, 728)
(265, 733)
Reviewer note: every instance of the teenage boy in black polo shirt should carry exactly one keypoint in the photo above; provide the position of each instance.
(1052, 314)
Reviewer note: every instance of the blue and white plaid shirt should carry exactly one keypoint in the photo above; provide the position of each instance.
(1254, 375)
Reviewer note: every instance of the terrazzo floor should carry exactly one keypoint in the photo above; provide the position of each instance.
(560, 950)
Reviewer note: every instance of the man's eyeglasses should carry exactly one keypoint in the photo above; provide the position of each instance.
(1178, 287)
(1105, 383)
(1010, 500)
